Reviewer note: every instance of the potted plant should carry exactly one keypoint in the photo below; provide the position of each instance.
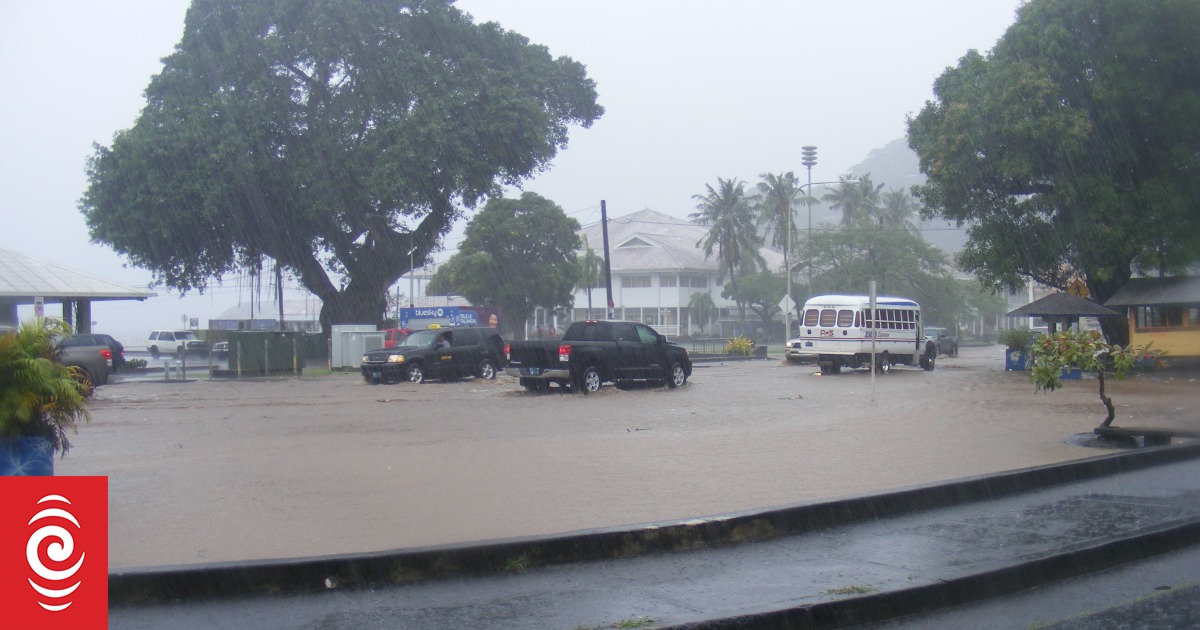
(1086, 351)
(40, 399)
(1017, 341)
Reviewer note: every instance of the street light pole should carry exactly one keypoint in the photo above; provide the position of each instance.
(809, 160)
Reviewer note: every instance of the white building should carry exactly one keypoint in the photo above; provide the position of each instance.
(657, 264)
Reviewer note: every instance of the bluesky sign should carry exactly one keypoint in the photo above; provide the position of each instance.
(441, 315)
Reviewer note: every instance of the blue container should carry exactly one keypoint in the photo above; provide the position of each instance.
(26, 457)
(1071, 374)
(1015, 360)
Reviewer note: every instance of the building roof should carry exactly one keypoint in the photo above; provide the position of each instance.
(293, 310)
(648, 240)
(24, 277)
(1062, 304)
(1149, 291)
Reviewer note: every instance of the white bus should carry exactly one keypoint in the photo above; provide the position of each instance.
(838, 330)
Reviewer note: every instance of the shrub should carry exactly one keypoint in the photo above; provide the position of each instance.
(739, 346)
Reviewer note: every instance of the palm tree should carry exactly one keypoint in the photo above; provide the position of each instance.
(731, 233)
(897, 211)
(858, 199)
(590, 266)
(777, 212)
(701, 305)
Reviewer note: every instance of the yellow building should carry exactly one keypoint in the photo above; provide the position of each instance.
(1165, 311)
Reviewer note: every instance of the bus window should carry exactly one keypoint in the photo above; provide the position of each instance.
(845, 318)
(828, 317)
(810, 317)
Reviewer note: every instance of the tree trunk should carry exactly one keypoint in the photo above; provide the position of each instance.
(1108, 404)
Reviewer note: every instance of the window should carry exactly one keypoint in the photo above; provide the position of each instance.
(828, 317)
(810, 317)
(845, 318)
(636, 282)
(668, 280)
(697, 282)
(1162, 316)
(645, 335)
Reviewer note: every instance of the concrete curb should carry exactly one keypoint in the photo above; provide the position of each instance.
(1006, 580)
(405, 566)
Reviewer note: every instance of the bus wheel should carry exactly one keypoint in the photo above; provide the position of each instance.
(929, 359)
(883, 363)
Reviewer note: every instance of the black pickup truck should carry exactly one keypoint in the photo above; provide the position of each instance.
(591, 353)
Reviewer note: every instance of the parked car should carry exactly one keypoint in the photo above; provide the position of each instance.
(437, 353)
(89, 355)
(591, 353)
(117, 348)
(947, 344)
(177, 342)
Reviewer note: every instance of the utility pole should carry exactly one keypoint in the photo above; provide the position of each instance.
(607, 264)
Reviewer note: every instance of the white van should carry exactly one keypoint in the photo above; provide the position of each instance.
(838, 331)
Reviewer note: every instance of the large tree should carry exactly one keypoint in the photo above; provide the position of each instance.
(1071, 150)
(518, 254)
(760, 292)
(333, 136)
(727, 213)
(900, 263)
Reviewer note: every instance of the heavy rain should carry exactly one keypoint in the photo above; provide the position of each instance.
(456, 314)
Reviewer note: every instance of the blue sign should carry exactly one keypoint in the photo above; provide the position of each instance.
(441, 315)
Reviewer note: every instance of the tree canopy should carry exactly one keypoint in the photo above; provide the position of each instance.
(334, 136)
(518, 254)
(1071, 150)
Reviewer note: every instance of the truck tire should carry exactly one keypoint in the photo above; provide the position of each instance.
(589, 380)
(486, 369)
(415, 374)
(676, 377)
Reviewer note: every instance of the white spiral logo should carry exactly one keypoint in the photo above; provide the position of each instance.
(59, 551)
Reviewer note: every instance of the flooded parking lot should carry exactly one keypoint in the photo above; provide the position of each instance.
(217, 470)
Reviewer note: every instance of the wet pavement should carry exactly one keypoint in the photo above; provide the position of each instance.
(837, 563)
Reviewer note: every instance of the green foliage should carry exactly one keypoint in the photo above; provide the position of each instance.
(739, 346)
(1086, 351)
(1071, 149)
(760, 292)
(779, 195)
(702, 306)
(332, 137)
(590, 271)
(518, 254)
(135, 364)
(39, 397)
(858, 199)
(901, 264)
(732, 233)
(1016, 339)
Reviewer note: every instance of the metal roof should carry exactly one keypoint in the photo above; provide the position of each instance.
(648, 240)
(24, 277)
(1062, 305)
(1150, 291)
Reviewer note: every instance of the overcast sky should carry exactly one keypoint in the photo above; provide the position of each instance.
(694, 90)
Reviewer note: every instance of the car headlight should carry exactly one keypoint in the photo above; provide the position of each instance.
(395, 358)
(364, 359)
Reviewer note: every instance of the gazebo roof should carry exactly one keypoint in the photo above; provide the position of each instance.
(1062, 305)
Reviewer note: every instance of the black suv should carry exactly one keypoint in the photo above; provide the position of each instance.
(443, 353)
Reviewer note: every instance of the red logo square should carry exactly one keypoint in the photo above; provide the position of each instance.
(54, 553)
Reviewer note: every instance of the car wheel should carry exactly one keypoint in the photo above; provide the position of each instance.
(589, 381)
(154, 351)
(487, 369)
(677, 376)
(415, 374)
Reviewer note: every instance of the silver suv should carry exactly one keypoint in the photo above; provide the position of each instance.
(87, 354)
(176, 342)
